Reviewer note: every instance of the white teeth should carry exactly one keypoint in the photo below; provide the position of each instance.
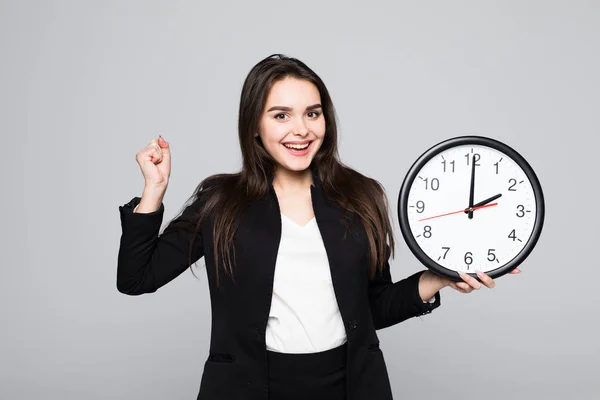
(296, 146)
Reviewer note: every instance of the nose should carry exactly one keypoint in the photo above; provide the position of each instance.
(300, 128)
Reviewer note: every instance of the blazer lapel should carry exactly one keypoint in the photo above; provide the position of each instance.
(341, 249)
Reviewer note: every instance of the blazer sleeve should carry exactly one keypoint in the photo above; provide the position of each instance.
(146, 260)
(392, 303)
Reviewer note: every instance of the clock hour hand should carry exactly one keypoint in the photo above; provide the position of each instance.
(472, 190)
(484, 202)
(489, 200)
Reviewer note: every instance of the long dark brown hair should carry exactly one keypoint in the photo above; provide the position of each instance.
(226, 196)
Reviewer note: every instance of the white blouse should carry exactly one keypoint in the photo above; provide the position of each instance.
(304, 315)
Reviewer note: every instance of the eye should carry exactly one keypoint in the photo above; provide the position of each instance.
(279, 116)
(315, 114)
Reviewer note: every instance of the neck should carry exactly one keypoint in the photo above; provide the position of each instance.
(291, 181)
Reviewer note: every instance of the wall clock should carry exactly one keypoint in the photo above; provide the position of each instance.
(471, 203)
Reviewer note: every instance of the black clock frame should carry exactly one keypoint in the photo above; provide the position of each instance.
(434, 151)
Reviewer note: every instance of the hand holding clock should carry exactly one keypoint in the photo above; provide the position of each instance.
(471, 283)
(430, 283)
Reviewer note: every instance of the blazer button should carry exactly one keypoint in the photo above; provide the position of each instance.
(352, 325)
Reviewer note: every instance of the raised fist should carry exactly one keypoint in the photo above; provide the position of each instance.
(155, 162)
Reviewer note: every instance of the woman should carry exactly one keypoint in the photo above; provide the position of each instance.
(296, 251)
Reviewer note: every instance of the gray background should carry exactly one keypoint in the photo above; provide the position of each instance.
(85, 85)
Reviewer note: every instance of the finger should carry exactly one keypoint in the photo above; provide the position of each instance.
(515, 271)
(153, 144)
(161, 142)
(155, 154)
(147, 154)
(470, 280)
(486, 279)
(466, 290)
(461, 287)
(164, 145)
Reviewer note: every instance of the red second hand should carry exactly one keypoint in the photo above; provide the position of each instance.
(459, 211)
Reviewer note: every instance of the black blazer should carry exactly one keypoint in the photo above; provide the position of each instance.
(236, 367)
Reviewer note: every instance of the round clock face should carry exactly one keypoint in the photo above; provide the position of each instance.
(471, 204)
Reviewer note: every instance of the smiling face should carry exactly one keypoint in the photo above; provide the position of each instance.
(292, 125)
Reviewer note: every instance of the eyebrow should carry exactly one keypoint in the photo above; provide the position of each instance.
(283, 108)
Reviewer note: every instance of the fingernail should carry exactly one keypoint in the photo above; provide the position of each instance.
(479, 273)
(160, 136)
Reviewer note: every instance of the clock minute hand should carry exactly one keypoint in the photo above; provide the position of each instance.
(484, 202)
(472, 190)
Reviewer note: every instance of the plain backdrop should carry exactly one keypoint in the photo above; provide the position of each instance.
(84, 85)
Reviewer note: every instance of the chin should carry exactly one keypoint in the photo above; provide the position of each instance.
(298, 166)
